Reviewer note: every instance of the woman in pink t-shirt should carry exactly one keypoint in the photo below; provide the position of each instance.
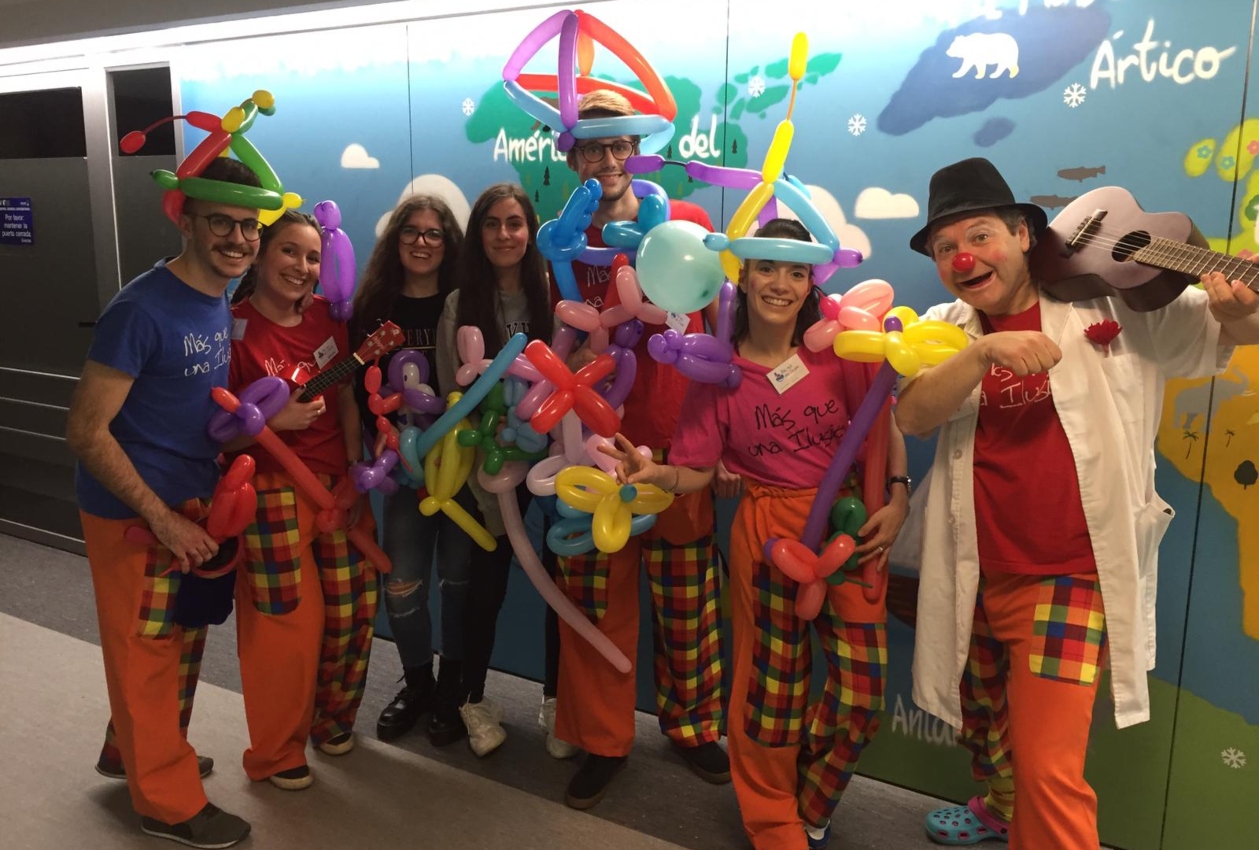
(779, 430)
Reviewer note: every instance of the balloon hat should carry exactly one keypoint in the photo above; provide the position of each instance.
(578, 32)
(226, 134)
(735, 245)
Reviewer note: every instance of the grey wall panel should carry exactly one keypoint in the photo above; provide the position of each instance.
(49, 287)
(145, 234)
(38, 387)
(26, 416)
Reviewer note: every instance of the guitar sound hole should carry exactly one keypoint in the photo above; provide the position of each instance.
(1129, 245)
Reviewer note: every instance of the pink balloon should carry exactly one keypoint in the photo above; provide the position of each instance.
(579, 314)
(541, 477)
(633, 305)
(471, 347)
(546, 587)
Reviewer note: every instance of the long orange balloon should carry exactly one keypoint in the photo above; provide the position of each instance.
(308, 483)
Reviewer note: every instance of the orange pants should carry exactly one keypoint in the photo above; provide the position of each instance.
(791, 759)
(279, 626)
(595, 702)
(1037, 647)
(142, 646)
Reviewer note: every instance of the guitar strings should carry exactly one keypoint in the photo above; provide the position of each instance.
(1162, 246)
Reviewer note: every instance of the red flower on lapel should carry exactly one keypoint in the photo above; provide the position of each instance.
(1103, 333)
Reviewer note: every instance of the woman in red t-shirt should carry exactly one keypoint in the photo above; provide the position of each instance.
(790, 761)
(306, 599)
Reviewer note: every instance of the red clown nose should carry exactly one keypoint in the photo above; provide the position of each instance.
(964, 263)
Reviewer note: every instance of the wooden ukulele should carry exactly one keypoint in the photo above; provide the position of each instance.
(385, 339)
(1104, 245)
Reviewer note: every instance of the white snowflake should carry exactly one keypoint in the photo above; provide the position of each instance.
(756, 86)
(857, 124)
(1234, 758)
(1074, 95)
(469, 106)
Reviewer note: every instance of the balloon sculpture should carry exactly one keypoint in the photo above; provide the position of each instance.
(334, 508)
(226, 133)
(578, 32)
(337, 269)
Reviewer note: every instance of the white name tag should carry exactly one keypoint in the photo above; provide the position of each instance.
(678, 321)
(325, 352)
(238, 328)
(788, 373)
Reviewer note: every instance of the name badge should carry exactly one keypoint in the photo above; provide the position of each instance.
(238, 328)
(678, 321)
(325, 352)
(788, 373)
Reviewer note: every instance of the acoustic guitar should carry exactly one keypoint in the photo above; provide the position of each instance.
(1104, 245)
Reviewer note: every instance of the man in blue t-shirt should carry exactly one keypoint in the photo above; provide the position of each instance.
(137, 424)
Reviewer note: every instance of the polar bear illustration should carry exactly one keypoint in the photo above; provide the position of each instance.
(979, 50)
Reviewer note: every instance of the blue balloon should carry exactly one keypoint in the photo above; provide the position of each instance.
(475, 395)
(676, 270)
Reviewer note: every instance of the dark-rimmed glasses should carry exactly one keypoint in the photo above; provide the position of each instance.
(594, 151)
(223, 225)
(432, 237)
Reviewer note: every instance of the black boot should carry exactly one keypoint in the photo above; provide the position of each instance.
(412, 702)
(445, 726)
(590, 783)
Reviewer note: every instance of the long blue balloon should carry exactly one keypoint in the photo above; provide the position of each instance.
(475, 394)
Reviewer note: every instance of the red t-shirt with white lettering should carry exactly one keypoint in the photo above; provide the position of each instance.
(261, 348)
(1028, 513)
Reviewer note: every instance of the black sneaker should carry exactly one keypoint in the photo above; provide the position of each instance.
(412, 702)
(293, 779)
(590, 783)
(210, 828)
(115, 770)
(708, 760)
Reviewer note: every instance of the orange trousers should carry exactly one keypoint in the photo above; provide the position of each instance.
(279, 626)
(1037, 649)
(142, 647)
(595, 703)
(812, 749)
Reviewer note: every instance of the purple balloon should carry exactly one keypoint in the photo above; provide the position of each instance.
(267, 396)
(704, 371)
(534, 42)
(628, 333)
(423, 403)
(858, 427)
(891, 323)
(623, 382)
(401, 359)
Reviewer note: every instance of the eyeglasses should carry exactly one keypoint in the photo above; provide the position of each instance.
(434, 238)
(223, 225)
(594, 151)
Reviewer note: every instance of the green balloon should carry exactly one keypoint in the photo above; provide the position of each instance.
(675, 269)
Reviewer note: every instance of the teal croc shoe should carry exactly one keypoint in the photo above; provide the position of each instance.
(969, 824)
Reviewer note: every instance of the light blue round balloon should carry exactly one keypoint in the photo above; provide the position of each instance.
(676, 270)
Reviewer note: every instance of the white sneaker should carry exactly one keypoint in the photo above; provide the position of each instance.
(554, 746)
(484, 721)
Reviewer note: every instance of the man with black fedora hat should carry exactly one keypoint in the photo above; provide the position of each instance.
(1041, 525)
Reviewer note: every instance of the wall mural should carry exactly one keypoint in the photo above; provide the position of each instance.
(1063, 95)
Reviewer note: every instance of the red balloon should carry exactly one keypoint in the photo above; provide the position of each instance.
(834, 555)
(371, 380)
(963, 262)
(594, 410)
(239, 474)
(794, 560)
(809, 599)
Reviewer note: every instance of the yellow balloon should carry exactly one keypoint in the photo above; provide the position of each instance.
(233, 119)
(610, 524)
(905, 314)
(901, 355)
(290, 201)
(934, 342)
(798, 57)
(263, 98)
(650, 499)
(860, 346)
(582, 488)
(741, 223)
(776, 158)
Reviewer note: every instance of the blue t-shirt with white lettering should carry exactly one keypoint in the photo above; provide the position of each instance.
(176, 343)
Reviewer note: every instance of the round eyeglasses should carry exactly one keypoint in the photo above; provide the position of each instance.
(433, 237)
(223, 225)
(594, 151)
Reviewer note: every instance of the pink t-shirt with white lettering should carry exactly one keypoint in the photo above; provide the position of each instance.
(780, 439)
